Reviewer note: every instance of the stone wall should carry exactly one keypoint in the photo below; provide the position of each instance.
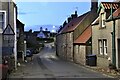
(80, 54)
(97, 33)
(69, 45)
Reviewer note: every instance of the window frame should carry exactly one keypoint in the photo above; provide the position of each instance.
(102, 20)
(103, 47)
(3, 11)
(100, 46)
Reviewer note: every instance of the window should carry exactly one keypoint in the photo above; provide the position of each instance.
(102, 46)
(105, 47)
(2, 20)
(102, 20)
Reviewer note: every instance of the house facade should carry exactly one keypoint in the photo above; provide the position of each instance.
(65, 39)
(8, 17)
(104, 44)
(82, 35)
(20, 36)
(20, 39)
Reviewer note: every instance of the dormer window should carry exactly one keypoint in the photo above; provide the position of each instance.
(102, 20)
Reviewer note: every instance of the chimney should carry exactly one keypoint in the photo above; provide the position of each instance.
(94, 5)
(64, 24)
(69, 19)
(41, 29)
(30, 31)
(74, 15)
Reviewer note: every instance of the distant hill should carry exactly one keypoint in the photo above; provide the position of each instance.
(51, 28)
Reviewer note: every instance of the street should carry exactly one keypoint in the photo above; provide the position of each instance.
(46, 65)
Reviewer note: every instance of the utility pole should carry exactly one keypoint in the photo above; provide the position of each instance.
(113, 39)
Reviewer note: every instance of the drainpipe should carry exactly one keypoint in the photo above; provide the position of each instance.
(15, 43)
(8, 11)
(113, 40)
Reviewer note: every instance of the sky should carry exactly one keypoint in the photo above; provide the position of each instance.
(51, 14)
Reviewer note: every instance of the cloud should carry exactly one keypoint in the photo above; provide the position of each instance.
(53, 31)
(22, 13)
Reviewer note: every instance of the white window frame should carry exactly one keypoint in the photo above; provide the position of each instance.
(105, 46)
(100, 47)
(4, 20)
(102, 43)
(102, 20)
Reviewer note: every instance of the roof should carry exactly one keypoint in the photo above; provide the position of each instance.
(35, 33)
(116, 13)
(73, 24)
(96, 21)
(107, 5)
(85, 36)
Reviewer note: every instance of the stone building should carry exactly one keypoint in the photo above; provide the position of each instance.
(105, 35)
(20, 36)
(65, 39)
(20, 39)
(68, 37)
(8, 17)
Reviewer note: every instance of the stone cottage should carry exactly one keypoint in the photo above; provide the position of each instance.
(68, 39)
(105, 35)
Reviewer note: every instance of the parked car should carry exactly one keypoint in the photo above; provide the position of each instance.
(29, 53)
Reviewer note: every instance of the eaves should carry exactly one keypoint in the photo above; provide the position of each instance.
(114, 18)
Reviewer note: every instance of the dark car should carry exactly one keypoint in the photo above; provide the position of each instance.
(29, 53)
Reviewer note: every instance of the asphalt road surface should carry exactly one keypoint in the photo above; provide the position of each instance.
(47, 66)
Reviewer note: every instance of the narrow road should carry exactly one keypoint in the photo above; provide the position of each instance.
(46, 65)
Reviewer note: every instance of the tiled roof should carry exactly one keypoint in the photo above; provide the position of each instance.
(107, 5)
(72, 25)
(116, 13)
(85, 36)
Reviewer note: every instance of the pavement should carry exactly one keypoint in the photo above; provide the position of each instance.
(46, 66)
